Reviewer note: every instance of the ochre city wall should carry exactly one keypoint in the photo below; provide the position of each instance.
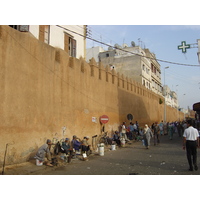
(42, 90)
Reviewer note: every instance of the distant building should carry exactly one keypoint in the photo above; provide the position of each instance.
(134, 63)
(170, 97)
(155, 72)
(59, 37)
(93, 52)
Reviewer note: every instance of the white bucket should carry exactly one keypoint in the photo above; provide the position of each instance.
(123, 142)
(39, 163)
(101, 151)
(113, 147)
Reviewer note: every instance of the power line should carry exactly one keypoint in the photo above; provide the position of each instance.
(182, 78)
(156, 59)
(100, 34)
(55, 74)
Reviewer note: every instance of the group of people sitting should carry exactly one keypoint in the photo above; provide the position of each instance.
(68, 147)
(76, 144)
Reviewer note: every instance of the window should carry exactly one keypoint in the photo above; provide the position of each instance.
(70, 45)
(44, 32)
(151, 67)
(22, 28)
(107, 55)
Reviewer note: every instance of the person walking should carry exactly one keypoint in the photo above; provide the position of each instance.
(156, 134)
(147, 136)
(190, 142)
(123, 132)
(171, 131)
(131, 130)
(161, 128)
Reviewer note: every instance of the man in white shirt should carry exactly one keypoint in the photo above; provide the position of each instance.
(191, 141)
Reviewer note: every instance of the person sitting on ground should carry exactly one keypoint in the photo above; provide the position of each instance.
(76, 144)
(43, 151)
(85, 145)
(116, 138)
(67, 148)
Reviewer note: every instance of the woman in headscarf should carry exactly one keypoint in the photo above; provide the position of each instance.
(147, 136)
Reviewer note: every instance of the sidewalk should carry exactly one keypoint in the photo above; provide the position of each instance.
(30, 168)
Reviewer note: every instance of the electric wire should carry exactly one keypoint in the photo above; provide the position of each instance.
(156, 59)
(53, 72)
(182, 78)
(104, 37)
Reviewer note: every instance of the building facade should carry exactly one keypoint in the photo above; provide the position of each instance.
(170, 97)
(134, 62)
(66, 37)
(93, 53)
(155, 72)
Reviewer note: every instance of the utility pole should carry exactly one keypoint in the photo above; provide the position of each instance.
(165, 97)
(85, 35)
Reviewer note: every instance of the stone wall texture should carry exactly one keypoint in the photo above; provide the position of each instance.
(42, 90)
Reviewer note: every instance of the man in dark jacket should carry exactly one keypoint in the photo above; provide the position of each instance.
(75, 143)
(156, 132)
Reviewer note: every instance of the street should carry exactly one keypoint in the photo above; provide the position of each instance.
(167, 158)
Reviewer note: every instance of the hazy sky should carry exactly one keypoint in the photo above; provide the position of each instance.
(163, 40)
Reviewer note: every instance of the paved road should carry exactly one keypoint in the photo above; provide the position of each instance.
(168, 158)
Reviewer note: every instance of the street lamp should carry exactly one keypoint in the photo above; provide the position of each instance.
(177, 102)
(165, 96)
(183, 107)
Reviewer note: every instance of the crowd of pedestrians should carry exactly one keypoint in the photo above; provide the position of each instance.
(155, 131)
(185, 129)
(134, 132)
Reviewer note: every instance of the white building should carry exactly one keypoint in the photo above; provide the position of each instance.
(132, 62)
(93, 53)
(170, 97)
(63, 36)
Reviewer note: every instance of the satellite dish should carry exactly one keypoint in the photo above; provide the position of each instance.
(110, 48)
(116, 46)
(133, 44)
(125, 45)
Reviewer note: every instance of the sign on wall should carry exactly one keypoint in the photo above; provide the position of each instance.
(104, 119)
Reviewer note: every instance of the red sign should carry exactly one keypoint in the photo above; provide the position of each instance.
(104, 119)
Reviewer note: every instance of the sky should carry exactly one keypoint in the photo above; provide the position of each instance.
(160, 26)
(163, 40)
(126, 15)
